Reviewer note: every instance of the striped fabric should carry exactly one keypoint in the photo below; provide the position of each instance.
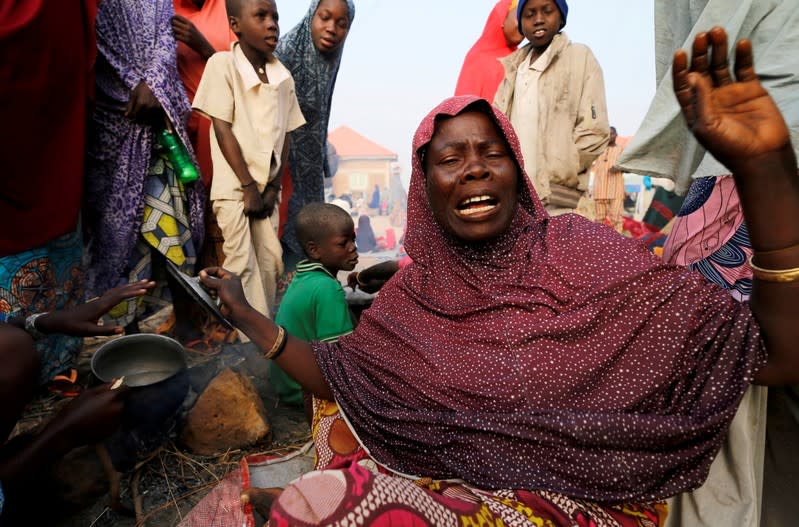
(608, 182)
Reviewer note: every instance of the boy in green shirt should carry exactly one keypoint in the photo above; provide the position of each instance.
(314, 307)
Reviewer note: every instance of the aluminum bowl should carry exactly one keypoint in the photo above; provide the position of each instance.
(143, 359)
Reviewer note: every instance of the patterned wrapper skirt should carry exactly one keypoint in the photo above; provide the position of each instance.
(47, 278)
(349, 488)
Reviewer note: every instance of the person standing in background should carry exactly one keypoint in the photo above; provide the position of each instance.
(374, 201)
(751, 483)
(201, 29)
(138, 213)
(312, 52)
(554, 94)
(608, 190)
(366, 235)
(482, 72)
(43, 161)
(241, 92)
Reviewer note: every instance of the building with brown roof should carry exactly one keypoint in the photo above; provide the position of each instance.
(362, 164)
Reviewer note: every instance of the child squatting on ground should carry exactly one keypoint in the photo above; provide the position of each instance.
(250, 98)
(314, 307)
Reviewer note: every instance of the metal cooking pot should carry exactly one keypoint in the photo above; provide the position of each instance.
(143, 359)
(156, 370)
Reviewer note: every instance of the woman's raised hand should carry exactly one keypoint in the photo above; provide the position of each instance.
(735, 119)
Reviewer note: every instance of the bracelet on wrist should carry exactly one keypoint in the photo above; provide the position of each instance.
(358, 279)
(774, 275)
(30, 326)
(245, 185)
(277, 345)
(282, 346)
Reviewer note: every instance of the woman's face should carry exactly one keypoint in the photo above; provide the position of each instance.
(330, 25)
(471, 177)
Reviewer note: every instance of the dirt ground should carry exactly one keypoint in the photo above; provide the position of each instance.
(172, 481)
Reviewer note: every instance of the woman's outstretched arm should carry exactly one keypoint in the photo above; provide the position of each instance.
(739, 123)
(297, 359)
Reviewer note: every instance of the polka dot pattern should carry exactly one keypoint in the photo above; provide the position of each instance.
(559, 357)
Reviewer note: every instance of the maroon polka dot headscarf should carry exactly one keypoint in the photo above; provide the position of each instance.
(559, 356)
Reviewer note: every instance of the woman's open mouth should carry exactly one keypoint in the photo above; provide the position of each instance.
(476, 205)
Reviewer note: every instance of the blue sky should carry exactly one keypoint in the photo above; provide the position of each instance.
(402, 57)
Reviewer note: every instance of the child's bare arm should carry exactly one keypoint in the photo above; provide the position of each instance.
(186, 32)
(284, 154)
(272, 190)
(231, 150)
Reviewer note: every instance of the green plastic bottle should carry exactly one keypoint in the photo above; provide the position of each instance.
(178, 156)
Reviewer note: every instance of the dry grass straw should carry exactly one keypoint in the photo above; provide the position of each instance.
(179, 469)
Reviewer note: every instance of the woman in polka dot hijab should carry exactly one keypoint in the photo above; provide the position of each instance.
(558, 355)
(520, 351)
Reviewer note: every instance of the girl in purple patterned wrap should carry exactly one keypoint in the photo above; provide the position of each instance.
(137, 213)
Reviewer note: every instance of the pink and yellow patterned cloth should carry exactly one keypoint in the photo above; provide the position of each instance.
(709, 235)
(349, 488)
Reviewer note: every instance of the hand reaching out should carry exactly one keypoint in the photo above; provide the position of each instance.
(735, 119)
(81, 320)
(370, 285)
(352, 280)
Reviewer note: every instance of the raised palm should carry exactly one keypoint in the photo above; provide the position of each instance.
(736, 120)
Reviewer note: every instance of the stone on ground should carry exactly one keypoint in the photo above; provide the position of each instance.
(229, 414)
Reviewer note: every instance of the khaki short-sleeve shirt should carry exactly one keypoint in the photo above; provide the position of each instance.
(261, 115)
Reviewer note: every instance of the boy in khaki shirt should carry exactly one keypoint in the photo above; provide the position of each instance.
(249, 97)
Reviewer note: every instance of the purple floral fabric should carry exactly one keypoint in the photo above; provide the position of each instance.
(135, 44)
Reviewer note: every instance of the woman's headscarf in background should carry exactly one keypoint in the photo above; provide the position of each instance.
(365, 235)
(664, 146)
(559, 356)
(136, 43)
(315, 78)
(482, 72)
